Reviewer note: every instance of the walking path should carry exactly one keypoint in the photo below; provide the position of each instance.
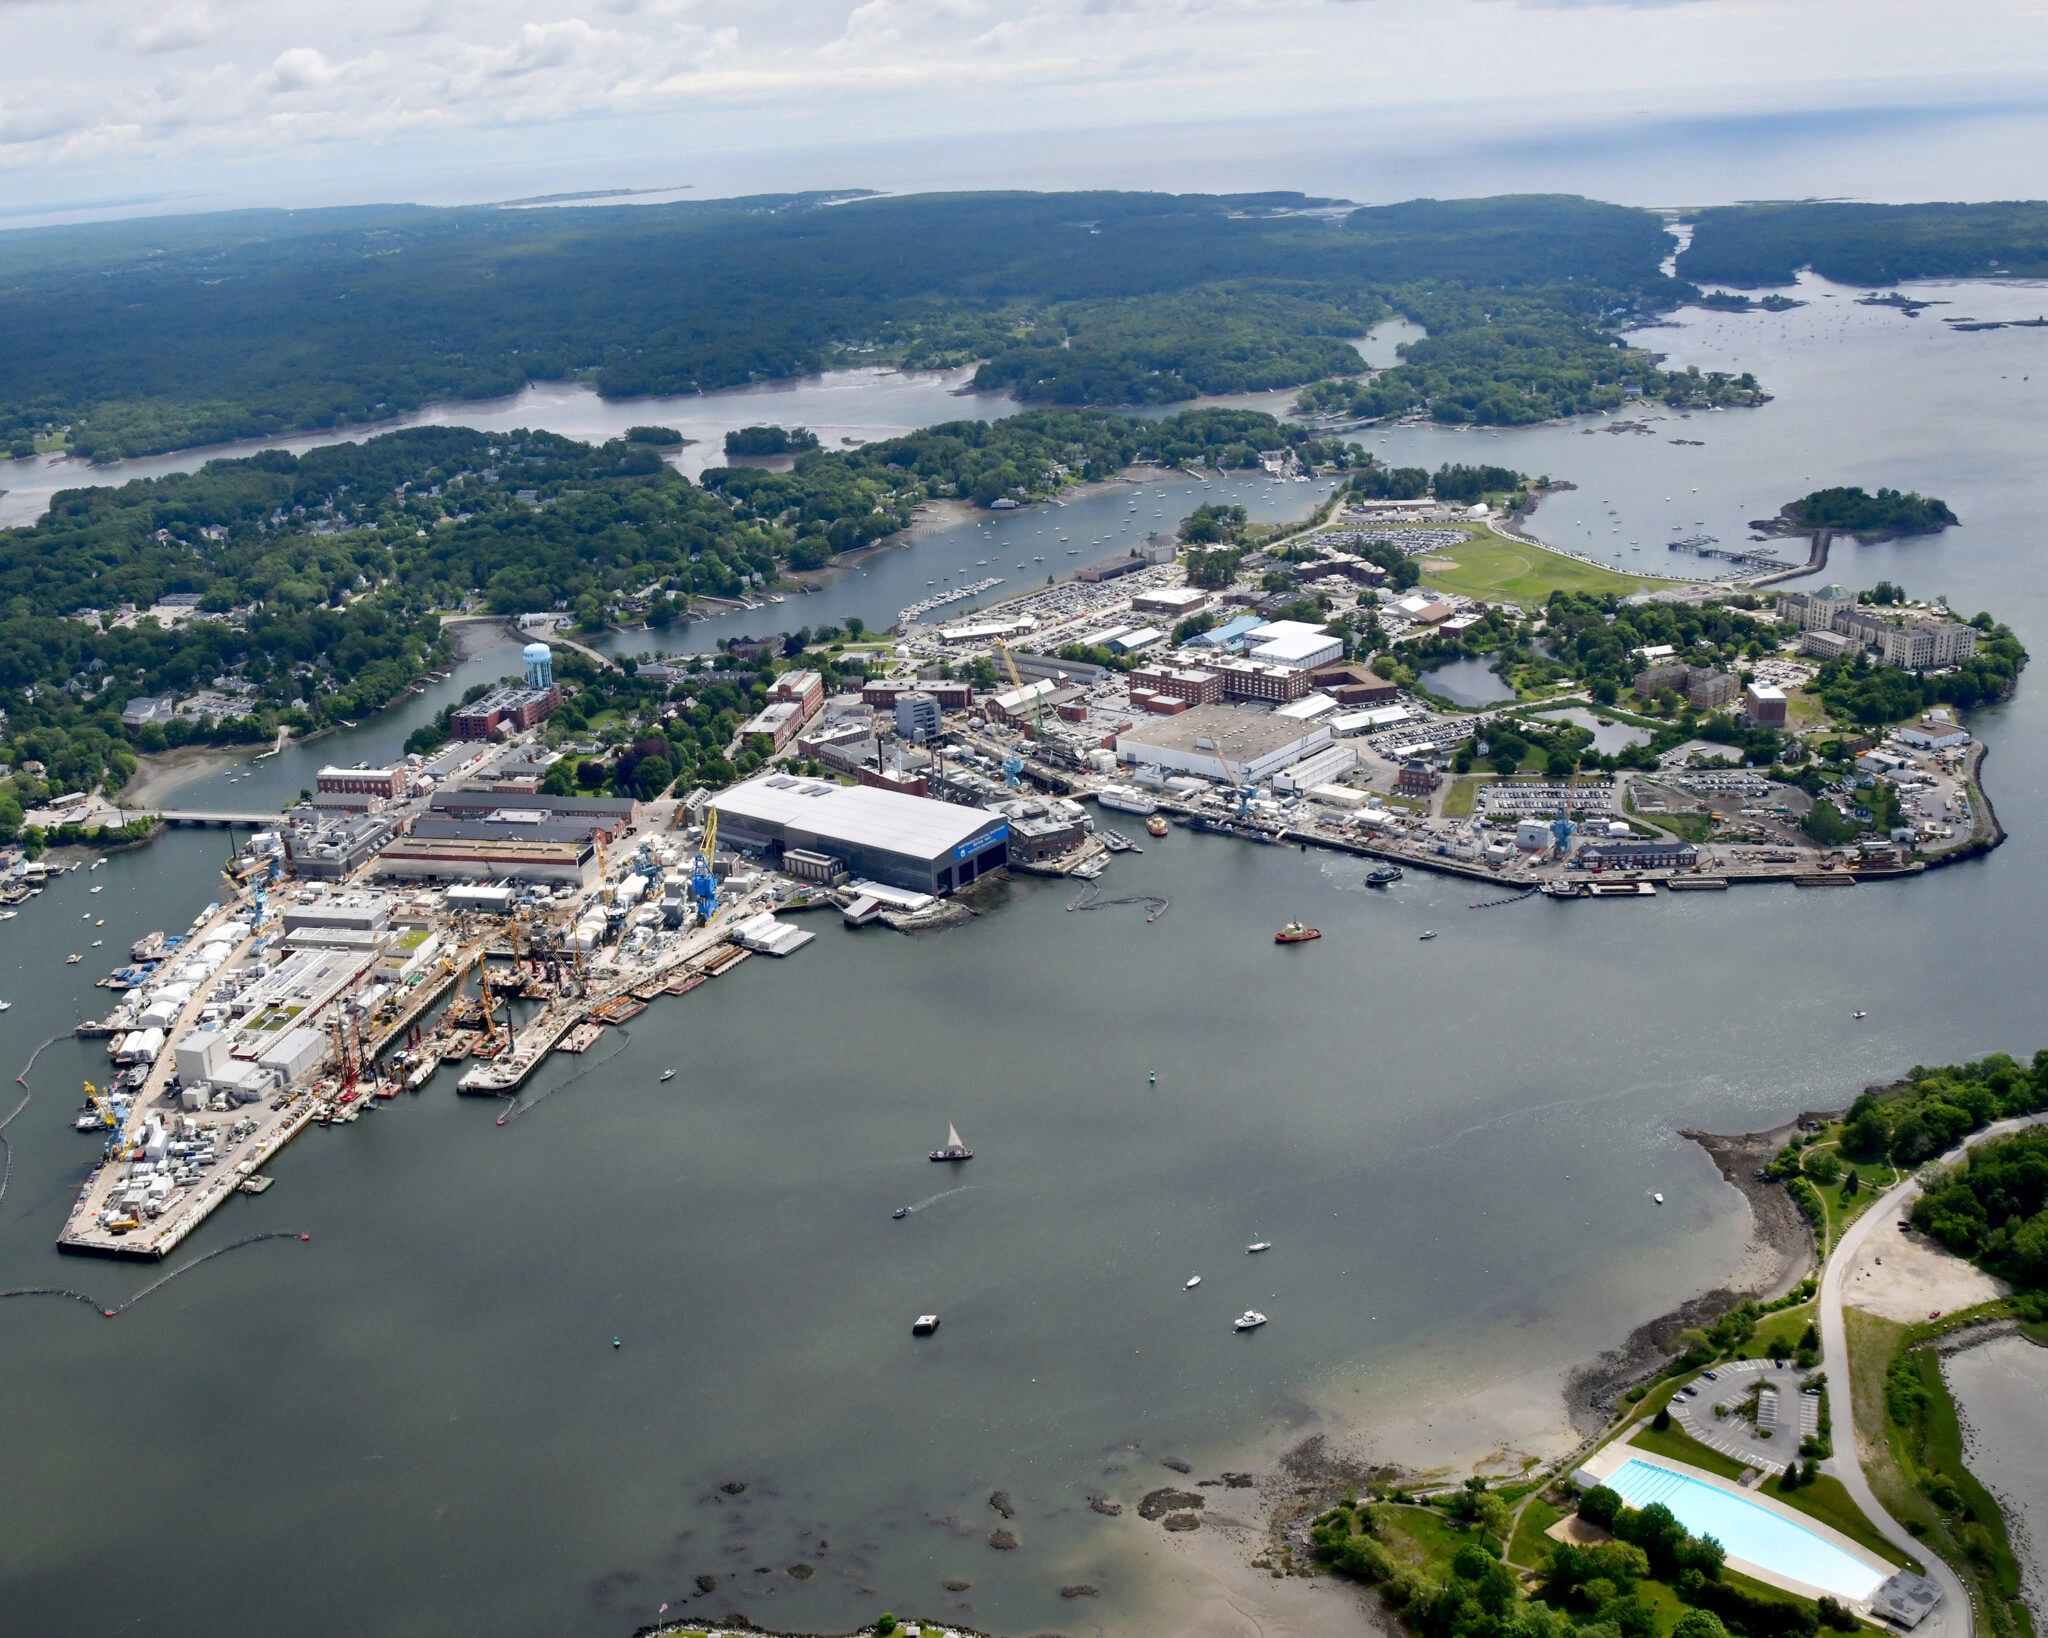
(1952, 1617)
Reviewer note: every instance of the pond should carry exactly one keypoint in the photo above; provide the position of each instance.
(1609, 736)
(1468, 682)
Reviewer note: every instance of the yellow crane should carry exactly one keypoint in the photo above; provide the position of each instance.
(98, 1100)
(1017, 682)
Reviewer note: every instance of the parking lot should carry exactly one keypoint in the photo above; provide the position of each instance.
(1715, 1410)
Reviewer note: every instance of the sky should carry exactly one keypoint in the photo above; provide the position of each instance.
(111, 107)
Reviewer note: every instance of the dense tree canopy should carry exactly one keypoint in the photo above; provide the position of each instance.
(1867, 244)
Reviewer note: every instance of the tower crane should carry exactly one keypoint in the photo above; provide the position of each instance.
(704, 879)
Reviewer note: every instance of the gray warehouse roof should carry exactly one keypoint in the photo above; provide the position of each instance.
(859, 815)
(1242, 736)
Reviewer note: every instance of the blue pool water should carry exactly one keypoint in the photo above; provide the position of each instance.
(1748, 1532)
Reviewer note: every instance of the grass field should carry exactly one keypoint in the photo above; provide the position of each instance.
(1529, 1546)
(1488, 566)
(1458, 800)
(1828, 1500)
(1682, 1447)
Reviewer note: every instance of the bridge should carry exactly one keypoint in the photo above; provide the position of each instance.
(202, 818)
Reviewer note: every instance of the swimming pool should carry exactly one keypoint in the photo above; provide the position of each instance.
(1751, 1533)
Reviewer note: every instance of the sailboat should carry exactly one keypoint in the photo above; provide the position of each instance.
(954, 1149)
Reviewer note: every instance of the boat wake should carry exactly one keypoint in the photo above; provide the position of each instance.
(943, 1194)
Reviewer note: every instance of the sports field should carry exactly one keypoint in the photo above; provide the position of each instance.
(1489, 566)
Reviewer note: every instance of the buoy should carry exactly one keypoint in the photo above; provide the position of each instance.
(305, 1237)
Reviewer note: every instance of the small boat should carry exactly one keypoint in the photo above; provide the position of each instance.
(954, 1149)
(1295, 933)
(1657, 1197)
(1385, 876)
(4, 1005)
(96, 943)
(1427, 933)
(88, 1121)
(668, 1074)
(73, 959)
(924, 1325)
(1156, 825)
(1859, 1015)
(1194, 1281)
(1257, 1246)
(101, 888)
(1250, 1320)
(900, 1213)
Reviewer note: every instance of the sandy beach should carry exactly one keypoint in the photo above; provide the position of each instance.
(157, 778)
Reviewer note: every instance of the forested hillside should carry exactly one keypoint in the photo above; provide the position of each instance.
(163, 334)
(1867, 244)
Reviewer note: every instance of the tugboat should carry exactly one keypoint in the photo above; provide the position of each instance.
(1385, 876)
(1250, 1320)
(954, 1149)
(1295, 933)
(1156, 825)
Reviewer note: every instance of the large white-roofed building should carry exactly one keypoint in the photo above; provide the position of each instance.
(905, 841)
(1218, 742)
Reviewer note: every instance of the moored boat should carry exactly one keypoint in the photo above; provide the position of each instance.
(1250, 1320)
(1295, 933)
(1126, 799)
(1156, 825)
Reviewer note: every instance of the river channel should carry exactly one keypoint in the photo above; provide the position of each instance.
(416, 1422)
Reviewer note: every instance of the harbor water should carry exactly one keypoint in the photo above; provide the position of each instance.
(416, 1421)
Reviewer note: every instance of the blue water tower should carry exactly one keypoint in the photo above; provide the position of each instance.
(540, 666)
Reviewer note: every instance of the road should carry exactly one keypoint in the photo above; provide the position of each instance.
(1952, 1617)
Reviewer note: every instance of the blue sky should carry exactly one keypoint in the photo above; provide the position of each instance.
(122, 105)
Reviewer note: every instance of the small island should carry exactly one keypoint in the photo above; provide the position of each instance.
(1728, 301)
(1850, 510)
(770, 440)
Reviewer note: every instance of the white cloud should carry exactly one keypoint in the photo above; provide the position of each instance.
(302, 69)
(185, 29)
(193, 83)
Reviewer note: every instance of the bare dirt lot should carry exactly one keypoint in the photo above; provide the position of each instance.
(1902, 1276)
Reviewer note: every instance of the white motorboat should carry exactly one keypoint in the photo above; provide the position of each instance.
(1431, 933)
(1250, 1320)
(1257, 1246)
(668, 1074)
(1658, 1198)
(1192, 1283)
(4, 1005)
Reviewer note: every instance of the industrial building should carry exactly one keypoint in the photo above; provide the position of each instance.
(905, 841)
(1659, 855)
(1219, 743)
(612, 814)
(389, 783)
(512, 708)
(326, 846)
